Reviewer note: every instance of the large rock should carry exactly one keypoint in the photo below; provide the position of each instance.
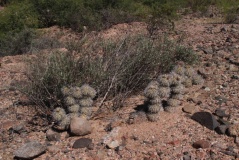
(30, 150)
(79, 126)
(206, 119)
(82, 143)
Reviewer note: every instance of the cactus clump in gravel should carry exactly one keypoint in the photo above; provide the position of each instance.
(170, 87)
(78, 102)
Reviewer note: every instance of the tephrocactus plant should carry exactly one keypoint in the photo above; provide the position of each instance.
(78, 102)
(171, 88)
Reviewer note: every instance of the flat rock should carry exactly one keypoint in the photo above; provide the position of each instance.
(53, 149)
(189, 109)
(201, 144)
(80, 126)
(221, 129)
(206, 119)
(30, 150)
(233, 130)
(221, 113)
(82, 143)
(52, 135)
(113, 144)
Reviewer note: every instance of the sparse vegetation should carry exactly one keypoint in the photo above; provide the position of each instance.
(122, 67)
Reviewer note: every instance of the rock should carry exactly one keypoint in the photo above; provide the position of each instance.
(207, 50)
(80, 126)
(18, 128)
(206, 119)
(186, 157)
(30, 150)
(233, 68)
(51, 135)
(224, 122)
(201, 144)
(235, 77)
(82, 143)
(233, 130)
(189, 109)
(237, 140)
(221, 99)
(207, 89)
(112, 139)
(221, 113)
(221, 129)
(53, 149)
(113, 144)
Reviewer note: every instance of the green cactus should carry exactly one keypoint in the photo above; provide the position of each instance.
(153, 117)
(70, 101)
(176, 79)
(154, 108)
(86, 111)
(77, 93)
(156, 100)
(73, 108)
(86, 102)
(187, 82)
(64, 124)
(164, 80)
(65, 91)
(189, 71)
(180, 70)
(151, 91)
(88, 91)
(58, 114)
(173, 102)
(179, 89)
(164, 92)
(197, 79)
(177, 96)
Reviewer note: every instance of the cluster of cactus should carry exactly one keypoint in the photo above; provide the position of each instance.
(169, 87)
(78, 102)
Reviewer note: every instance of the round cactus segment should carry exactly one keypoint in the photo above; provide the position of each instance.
(173, 102)
(73, 108)
(164, 92)
(164, 80)
(153, 117)
(156, 100)
(65, 91)
(177, 96)
(197, 79)
(187, 82)
(176, 79)
(65, 123)
(58, 114)
(86, 111)
(179, 89)
(189, 71)
(86, 102)
(180, 70)
(88, 91)
(154, 108)
(77, 93)
(151, 91)
(70, 101)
